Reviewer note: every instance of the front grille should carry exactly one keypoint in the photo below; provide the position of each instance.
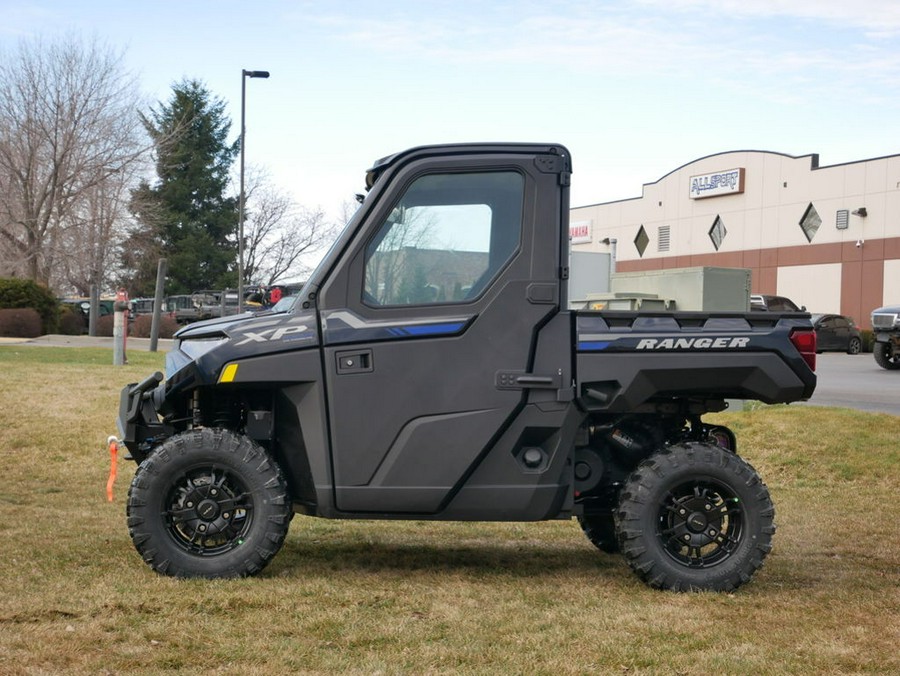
(884, 320)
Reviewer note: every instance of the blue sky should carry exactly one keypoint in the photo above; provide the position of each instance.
(633, 88)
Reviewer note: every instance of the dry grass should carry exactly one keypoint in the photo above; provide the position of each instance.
(369, 597)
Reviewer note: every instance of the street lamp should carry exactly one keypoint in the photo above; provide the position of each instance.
(244, 75)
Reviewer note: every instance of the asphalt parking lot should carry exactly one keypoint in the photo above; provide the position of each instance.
(845, 380)
(856, 381)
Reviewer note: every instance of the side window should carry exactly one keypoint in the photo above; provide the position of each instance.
(445, 239)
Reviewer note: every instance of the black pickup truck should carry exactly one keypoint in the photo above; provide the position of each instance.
(430, 370)
(886, 326)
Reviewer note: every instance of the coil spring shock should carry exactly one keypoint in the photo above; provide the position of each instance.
(226, 412)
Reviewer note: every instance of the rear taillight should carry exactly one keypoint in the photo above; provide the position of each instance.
(805, 342)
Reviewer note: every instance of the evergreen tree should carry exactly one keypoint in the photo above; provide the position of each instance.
(185, 215)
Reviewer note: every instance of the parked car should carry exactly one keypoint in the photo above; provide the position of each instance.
(767, 303)
(836, 332)
(141, 306)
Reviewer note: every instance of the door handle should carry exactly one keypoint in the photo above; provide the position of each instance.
(519, 380)
(354, 361)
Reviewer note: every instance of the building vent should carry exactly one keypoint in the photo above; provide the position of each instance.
(717, 232)
(842, 221)
(641, 241)
(810, 222)
(662, 238)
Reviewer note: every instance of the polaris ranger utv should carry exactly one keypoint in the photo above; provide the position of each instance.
(431, 370)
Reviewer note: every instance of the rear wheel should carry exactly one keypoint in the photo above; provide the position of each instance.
(600, 529)
(885, 357)
(695, 517)
(208, 503)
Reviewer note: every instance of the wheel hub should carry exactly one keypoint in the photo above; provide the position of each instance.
(697, 522)
(208, 510)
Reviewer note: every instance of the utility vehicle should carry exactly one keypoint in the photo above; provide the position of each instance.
(430, 370)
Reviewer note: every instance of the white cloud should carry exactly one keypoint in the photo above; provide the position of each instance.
(880, 17)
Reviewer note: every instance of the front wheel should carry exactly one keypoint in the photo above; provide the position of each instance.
(208, 503)
(855, 346)
(885, 357)
(695, 517)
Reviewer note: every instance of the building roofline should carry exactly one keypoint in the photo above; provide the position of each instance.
(813, 162)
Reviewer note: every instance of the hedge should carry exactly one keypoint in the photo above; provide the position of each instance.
(25, 293)
(143, 323)
(20, 323)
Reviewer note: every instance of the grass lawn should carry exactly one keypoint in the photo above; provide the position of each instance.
(363, 597)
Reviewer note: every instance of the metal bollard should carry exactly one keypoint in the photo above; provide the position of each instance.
(120, 328)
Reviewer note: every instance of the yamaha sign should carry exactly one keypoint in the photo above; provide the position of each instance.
(580, 232)
(728, 182)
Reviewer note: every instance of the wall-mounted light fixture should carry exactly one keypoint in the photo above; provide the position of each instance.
(861, 212)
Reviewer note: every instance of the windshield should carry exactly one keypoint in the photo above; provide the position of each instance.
(285, 304)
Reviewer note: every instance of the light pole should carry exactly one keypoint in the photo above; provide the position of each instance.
(244, 75)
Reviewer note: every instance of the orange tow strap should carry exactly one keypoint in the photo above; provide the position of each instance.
(113, 466)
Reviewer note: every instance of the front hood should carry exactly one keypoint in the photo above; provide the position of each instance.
(887, 309)
(202, 349)
(207, 326)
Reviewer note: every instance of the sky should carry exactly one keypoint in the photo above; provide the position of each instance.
(633, 88)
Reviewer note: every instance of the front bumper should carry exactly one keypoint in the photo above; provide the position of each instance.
(882, 336)
(138, 422)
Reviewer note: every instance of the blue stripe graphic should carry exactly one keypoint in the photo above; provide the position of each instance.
(593, 345)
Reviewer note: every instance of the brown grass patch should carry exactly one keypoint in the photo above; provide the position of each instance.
(393, 597)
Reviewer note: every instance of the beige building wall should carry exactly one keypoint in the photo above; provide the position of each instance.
(849, 264)
(891, 282)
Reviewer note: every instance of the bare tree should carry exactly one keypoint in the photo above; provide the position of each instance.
(70, 137)
(280, 235)
(394, 257)
(95, 232)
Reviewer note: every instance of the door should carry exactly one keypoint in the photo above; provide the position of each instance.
(429, 322)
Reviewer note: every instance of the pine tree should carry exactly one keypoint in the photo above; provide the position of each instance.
(185, 215)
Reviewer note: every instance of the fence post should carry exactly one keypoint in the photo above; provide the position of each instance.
(157, 303)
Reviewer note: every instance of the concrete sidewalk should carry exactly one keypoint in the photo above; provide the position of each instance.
(59, 340)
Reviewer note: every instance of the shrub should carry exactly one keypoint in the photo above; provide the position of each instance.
(71, 323)
(868, 339)
(25, 293)
(104, 326)
(20, 323)
(143, 323)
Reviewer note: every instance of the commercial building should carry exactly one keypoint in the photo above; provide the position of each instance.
(827, 237)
